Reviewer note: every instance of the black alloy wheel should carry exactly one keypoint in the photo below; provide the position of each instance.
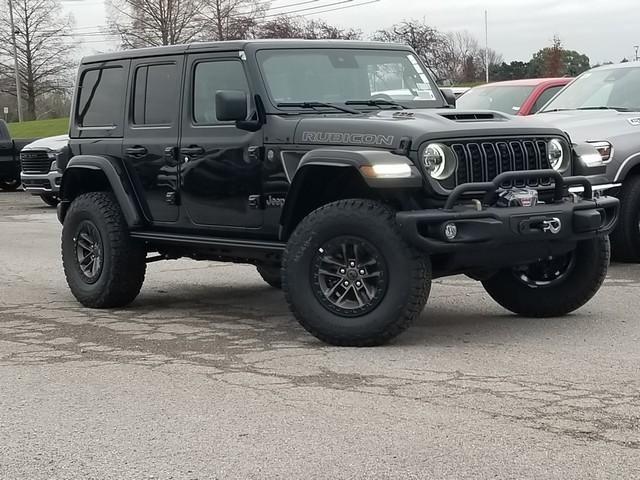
(349, 276)
(547, 272)
(89, 251)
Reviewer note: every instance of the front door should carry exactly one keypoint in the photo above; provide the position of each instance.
(221, 168)
(151, 136)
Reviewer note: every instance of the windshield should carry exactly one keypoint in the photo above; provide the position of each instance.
(503, 98)
(618, 89)
(341, 75)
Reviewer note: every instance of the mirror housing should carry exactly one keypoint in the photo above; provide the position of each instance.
(231, 105)
(449, 97)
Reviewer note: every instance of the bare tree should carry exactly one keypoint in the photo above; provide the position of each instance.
(298, 27)
(428, 42)
(463, 59)
(147, 23)
(43, 40)
(232, 19)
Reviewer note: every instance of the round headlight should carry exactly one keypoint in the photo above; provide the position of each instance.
(555, 154)
(439, 161)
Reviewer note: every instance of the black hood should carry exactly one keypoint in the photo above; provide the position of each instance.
(386, 128)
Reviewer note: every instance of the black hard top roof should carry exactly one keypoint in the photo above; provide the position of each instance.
(238, 45)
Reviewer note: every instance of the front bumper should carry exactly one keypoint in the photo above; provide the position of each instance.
(40, 183)
(563, 220)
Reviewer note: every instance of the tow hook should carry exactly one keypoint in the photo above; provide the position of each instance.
(553, 225)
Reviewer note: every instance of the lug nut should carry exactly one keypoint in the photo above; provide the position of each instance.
(362, 272)
(358, 284)
(346, 284)
(343, 271)
(353, 264)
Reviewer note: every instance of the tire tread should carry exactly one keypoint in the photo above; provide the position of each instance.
(420, 274)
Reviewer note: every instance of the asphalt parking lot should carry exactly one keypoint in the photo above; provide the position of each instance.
(207, 376)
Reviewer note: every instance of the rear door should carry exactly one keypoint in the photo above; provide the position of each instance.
(152, 131)
(221, 167)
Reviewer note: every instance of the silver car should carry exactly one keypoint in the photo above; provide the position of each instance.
(602, 107)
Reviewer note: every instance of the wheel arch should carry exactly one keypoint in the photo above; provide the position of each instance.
(92, 173)
(628, 168)
(327, 175)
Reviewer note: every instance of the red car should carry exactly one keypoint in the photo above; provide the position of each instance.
(515, 97)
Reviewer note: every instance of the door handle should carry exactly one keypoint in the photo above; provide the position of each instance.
(136, 151)
(192, 151)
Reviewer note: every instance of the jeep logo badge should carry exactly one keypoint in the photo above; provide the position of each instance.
(553, 225)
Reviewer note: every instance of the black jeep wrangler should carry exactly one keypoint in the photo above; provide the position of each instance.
(338, 169)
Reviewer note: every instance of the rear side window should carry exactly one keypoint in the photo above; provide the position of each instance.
(211, 77)
(155, 88)
(101, 98)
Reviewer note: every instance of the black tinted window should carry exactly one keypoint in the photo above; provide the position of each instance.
(155, 87)
(544, 97)
(211, 77)
(101, 97)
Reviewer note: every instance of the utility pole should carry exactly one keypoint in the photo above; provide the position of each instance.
(486, 45)
(15, 61)
(636, 47)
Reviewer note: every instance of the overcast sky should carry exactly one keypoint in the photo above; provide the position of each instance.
(606, 30)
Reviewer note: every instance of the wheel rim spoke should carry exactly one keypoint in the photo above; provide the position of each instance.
(88, 245)
(349, 276)
(546, 272)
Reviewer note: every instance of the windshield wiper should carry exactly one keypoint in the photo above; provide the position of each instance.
(319, 105)
(375, 102)
(618, 109)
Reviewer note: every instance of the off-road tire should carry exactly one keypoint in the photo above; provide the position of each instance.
(49, 199)
(123, 267)
(407, 287)
(9, 185)
(576, 289)
(625, 239)
(271, 274)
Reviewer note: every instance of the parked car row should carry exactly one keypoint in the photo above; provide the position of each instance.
(345, 177)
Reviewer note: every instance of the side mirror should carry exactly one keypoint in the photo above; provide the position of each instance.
(449, 97)
(231, 105)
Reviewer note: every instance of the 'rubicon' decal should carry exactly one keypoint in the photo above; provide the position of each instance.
(348, 138)
(635, 121)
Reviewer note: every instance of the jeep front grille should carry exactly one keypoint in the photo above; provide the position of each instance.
(35, 162)
(483, 160)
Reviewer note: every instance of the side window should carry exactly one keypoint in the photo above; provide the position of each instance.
(153, 86)
(101, 98)
(544, 97)
(210, 77)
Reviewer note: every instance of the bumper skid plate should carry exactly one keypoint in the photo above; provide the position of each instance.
(458, 228)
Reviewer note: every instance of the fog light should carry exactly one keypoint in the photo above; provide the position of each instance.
(450, 231)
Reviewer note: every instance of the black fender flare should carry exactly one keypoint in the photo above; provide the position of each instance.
(351, 159)
(348, 158)
(118, 181)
